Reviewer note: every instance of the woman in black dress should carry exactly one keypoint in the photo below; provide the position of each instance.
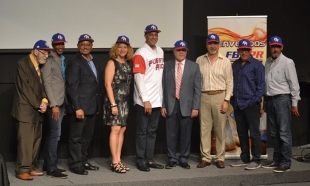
(117, 83)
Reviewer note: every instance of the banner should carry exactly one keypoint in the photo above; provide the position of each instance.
(231, 29)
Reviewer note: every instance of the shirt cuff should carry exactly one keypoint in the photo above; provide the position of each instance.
(294, 103)
(145, 98)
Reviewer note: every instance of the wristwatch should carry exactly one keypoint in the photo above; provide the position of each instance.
(113, 105)
(226, 100)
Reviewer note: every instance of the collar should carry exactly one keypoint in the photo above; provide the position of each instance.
(34, 60)
(54, 55)
(91, 57)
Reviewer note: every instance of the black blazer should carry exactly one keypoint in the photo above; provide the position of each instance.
(82, 87)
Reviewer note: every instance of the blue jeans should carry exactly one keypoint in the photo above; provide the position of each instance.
(53, 133)
(146, 133)
(279, 120)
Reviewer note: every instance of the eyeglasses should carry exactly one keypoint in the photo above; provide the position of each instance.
(45, 53)
(244, 51)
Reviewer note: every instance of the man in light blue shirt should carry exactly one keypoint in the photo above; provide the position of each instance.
(282, 95)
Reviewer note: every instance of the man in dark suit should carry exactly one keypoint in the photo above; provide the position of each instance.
(84, 99)
(181, 101)
(28, 107)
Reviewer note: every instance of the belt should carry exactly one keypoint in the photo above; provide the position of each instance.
(276, 96)
(213, 92)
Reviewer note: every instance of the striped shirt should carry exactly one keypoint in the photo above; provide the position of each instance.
(216, 76)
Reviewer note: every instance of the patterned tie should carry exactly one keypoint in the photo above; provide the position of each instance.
(179, 80)
(39, 73)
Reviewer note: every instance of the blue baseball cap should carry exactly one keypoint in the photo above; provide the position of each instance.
(123, 39)
(244, 43)
(213, 38)
(275, 40)
(151, 28)
(58, 38)
(41, 45)
(180, 45)
(85, 37)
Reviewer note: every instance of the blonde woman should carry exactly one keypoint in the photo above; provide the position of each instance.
(117, 83)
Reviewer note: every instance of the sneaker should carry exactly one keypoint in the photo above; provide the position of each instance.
(271, 165)
(238, 163)
(252, 166)
(61, 170)
(281, 168)
(56, 174)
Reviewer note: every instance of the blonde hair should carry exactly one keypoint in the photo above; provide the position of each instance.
(113, 51)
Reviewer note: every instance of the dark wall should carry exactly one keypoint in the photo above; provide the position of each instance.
(288, 19)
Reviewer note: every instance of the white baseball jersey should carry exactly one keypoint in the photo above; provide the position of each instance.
(148, 65)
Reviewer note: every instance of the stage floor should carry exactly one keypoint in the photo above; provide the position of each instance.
(299, 175)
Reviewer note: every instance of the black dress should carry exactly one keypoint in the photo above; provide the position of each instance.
(120, 87)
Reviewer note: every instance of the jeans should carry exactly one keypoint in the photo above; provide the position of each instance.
(146, 133)
(279, 121)
(53, 133)
(249, 120)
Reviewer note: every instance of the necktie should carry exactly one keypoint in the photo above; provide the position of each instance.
(179, 80)
(93, 68)
(63, 67)
(39, 73)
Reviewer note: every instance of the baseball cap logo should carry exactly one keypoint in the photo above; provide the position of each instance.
(46, 44)
(153, 27)
(212, 36)
(276, 39)
(182, 44)
(244, 43)
(86, 36)
(124, 38)
(59, 37)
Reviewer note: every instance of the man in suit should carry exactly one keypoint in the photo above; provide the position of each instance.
(181, 102)
(29, 104)
(54, 83)
(84, 99)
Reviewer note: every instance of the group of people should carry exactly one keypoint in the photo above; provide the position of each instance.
(178, 90)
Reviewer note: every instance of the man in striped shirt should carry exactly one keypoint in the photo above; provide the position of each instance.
(217, 86)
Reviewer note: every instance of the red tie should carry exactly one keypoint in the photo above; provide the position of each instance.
(179, 80)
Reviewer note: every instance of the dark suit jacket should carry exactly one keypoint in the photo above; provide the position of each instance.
(83, 88)
(190, 92)
(29, 93)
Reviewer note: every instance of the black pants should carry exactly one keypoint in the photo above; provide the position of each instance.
(81, 133)
(249, 120)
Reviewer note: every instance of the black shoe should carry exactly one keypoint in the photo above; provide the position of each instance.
(271, 165)
(184, 165)
(61, 170)
(79, 170)
(155, 165)
(143, 167)
(56, 174)
(170, 165)
(89, 166)
(281, 168)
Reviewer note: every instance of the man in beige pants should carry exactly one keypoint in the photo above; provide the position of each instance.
(217, 86)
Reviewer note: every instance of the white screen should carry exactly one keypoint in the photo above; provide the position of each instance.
(23, 22)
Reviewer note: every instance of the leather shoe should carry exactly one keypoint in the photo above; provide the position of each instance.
(170, 165)
(203, 164)
(36, 173)
(220, 164)
(24, 176)
(184, 165)
(79, 170)
(89, 166)
(143, 167)
(155, 165)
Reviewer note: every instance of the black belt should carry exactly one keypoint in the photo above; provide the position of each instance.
(275, 96)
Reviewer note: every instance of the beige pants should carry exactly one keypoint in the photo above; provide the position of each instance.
(211, 116)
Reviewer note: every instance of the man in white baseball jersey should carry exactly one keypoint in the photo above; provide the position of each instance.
(148, 63)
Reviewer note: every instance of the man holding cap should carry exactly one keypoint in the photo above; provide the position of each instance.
(84, 99)
(181, 94)
(148, 64)
(281, 99)
(217, 86)
(30, 102)
(54, 82)
(249, 81)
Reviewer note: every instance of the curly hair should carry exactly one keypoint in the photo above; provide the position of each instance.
(113, 51)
